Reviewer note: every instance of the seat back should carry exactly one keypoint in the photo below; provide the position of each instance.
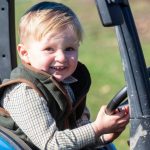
(9, 141)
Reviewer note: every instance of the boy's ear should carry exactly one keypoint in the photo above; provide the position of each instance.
(23, 53)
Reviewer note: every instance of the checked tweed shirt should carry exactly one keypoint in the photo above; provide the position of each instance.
(38, 123)
(30, 111)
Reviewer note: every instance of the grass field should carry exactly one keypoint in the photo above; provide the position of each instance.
(99, 51)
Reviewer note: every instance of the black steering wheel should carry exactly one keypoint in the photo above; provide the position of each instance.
(119, 99)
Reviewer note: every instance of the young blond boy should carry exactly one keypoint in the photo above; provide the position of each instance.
(56, 116)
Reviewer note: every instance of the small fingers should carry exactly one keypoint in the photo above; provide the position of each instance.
(120, 129)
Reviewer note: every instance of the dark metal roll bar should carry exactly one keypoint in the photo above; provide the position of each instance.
(117, 13)
(7, 38)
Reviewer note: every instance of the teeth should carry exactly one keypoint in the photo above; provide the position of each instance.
(58, 68)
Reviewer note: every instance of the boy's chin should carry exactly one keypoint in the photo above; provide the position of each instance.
(59, 78)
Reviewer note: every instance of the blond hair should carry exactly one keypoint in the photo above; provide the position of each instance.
(47, 17)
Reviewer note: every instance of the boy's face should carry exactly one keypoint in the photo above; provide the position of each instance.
(56, 53)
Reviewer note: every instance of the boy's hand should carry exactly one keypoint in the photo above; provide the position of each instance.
(110, 124)
(107, 138)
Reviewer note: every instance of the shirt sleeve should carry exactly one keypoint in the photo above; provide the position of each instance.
(31, 114)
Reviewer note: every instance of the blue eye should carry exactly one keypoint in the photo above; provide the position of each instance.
(69, 49)
(49, 49)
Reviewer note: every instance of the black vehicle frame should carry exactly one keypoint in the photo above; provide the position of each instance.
(117, 13)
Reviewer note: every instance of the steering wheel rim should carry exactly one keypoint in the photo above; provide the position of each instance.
(118, 100)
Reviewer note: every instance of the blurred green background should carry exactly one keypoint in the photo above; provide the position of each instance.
(99, 51)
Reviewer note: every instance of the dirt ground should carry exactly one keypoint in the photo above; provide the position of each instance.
(143, 27)
(142, 18)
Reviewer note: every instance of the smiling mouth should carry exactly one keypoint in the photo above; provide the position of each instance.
(58, 68)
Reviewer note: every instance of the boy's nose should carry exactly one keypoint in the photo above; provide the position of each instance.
(60, 56)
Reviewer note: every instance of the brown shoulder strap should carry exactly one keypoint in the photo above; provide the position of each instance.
(5, 113)
(21, 80)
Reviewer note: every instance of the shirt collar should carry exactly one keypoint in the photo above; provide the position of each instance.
(69, 80)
